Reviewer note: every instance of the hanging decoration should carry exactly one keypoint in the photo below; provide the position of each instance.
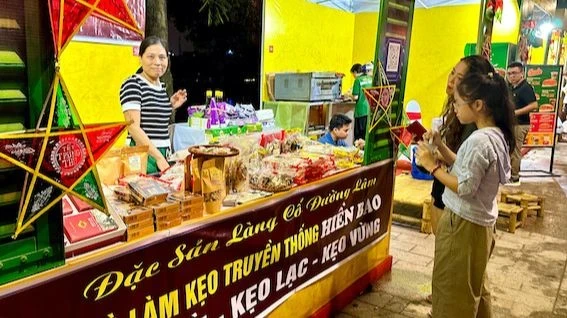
(67, 16)
(492, 11)
(60, 156)
(382, 115)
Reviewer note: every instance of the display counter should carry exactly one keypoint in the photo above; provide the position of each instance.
(296, 253)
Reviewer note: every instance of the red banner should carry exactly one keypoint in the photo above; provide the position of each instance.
(239, 266)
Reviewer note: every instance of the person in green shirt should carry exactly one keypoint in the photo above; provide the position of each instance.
(361, 81)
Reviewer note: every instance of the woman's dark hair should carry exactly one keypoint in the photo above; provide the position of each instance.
(492, 89)
(452, 130)
(356, 68)
(149, 41)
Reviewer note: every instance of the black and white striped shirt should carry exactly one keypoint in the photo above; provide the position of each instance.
(154, 105)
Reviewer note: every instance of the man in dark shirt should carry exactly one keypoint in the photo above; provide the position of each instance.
(525, 101)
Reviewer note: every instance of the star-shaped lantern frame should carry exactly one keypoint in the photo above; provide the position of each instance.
(67, 17)
(61, 154)
(380, 101)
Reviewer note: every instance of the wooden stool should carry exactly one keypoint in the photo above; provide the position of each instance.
(504, 193)
(511, 211)
(426, 217)
(528, 202)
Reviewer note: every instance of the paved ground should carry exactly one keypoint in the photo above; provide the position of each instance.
(527, 272)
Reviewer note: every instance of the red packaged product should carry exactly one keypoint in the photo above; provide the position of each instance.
(267, 138)
(67, 208)
(81, 226)
(80, 204)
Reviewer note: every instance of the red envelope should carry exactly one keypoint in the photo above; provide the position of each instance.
(417, 130)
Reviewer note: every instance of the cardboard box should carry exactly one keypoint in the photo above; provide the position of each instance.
(165, 208)
(141, 224)
(168, 224)
(67, 207)
(186, 199)
(88, 224)
(79, 204)
(193, 211)
(98, 241)
(146, 191)
(137, 214)
(81, 226)
(139, 233)
(167, 217)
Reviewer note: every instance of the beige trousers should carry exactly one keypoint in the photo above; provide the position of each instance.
(516, 158)
(435, 216)
(462, 250)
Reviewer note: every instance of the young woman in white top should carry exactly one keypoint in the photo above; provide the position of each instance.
(465, 234)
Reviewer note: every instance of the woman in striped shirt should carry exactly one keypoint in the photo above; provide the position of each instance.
(146, 104)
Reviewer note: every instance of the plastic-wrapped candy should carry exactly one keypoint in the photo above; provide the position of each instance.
(214, 120)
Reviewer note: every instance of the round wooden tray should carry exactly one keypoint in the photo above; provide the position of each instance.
(212, 151)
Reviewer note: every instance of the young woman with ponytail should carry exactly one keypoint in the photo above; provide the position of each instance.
(465, 234)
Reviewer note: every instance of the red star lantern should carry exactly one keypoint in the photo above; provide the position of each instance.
(67, 16)
(60, 156)
(380, 101)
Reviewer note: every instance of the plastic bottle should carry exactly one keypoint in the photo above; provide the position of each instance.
(208, 96)
(213, 121)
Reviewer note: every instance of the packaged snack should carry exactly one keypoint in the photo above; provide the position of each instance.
(67, 208)
(166, 208)
(135, 160)
(212, 183)
(136, 214)
(79, 204)
(88, 224)
(148, 191)
(175, 177)
(81, 226)
(196, 164)
(236, 175)
(168, 224)
(235, 199)
(142, 224)
(139, 233)
(271, 181)
(122, 193)
(109, 168)
(186, 199)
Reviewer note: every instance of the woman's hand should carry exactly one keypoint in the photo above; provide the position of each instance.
(433, 137)
(425, 156)
(178, 98)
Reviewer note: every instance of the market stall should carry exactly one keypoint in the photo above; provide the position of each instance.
(242, 262)
(250, 220)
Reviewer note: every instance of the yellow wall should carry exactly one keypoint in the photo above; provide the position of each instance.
(307, 37)
(93, 74)
(438, 40)
(364, 42)
(537, 55)
(509, 29)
